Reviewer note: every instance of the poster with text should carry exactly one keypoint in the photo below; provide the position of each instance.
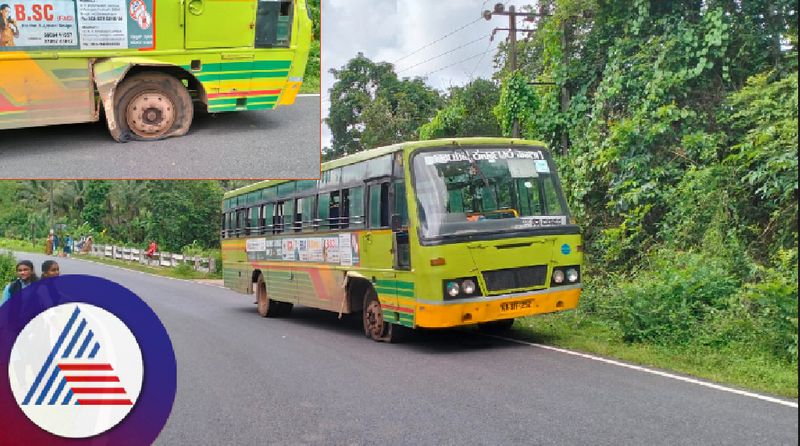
(76, 24)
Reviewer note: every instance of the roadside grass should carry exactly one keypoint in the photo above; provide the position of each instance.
(311, 79)
(736, 366)
(20, 245)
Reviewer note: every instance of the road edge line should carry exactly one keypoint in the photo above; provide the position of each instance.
(654, 372)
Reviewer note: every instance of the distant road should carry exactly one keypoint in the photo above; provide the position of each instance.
(280, 143)
(311, 379)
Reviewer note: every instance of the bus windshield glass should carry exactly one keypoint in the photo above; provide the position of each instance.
(462, 191)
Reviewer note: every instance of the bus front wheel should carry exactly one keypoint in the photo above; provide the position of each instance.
(266, 306)
(150, 106)
(375, 326)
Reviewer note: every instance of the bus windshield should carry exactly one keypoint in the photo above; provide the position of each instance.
(463, 191)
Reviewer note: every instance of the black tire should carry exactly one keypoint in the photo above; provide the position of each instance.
(496, 327)
(150, 106)
(284, 308)
(266, 306)
(375, 326)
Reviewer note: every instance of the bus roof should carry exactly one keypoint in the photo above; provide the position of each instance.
(380, 151)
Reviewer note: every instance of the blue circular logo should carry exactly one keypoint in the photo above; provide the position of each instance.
(565, 249)
(87, 362)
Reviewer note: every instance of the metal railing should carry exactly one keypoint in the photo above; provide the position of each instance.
(163, 259)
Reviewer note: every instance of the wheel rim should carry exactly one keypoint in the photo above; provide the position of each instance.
(373, 320)
(263, 305)
(150, 114)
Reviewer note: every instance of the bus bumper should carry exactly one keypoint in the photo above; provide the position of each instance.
(492, 308)
(290, 91)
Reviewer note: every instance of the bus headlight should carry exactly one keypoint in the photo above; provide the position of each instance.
(468, 286)
(572, 275)
(452, 289)
(558, 276)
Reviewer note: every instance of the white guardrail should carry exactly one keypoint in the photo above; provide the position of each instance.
(165, 259)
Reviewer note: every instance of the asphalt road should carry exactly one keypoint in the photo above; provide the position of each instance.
(280, 143)
(312, 379)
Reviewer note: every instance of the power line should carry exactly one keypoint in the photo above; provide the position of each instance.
(488, 47)
(443, 54)
(437, 40)
(455, 63)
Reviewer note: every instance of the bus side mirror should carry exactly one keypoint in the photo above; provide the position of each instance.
(396, 223)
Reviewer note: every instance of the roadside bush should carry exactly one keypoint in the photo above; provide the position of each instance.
(184, 270)
(670, 299)
(763, 314)
(7, 268)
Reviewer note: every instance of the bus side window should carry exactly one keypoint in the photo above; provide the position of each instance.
(379, 205)
(288, 215)
(273, 23)
(323, 207)
(241, 222)
(334, 210)
(277, 219)
(303, 214)
(400, 207)
(261, 222)
(253, 227)
(268, 219)
(355, 207)
(344, 209)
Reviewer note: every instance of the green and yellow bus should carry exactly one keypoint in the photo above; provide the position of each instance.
(145, 61)
(439, 233)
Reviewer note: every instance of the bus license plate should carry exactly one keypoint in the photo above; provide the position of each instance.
(518, 305)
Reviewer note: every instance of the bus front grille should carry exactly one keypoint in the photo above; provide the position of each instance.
(515, 278)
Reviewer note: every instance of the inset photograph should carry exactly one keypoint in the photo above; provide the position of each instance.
(147, 89)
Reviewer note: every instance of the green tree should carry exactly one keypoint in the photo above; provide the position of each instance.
(97, 205)
(370, 107)
(468, 112)
(183, 212)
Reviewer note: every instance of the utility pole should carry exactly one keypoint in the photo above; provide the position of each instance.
(500, 9)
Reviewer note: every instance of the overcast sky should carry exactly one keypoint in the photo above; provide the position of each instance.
(394, 30)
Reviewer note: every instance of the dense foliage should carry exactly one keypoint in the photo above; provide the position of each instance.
(371, 107)
(174, 213)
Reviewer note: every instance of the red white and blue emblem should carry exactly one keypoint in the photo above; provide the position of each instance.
(76, 370)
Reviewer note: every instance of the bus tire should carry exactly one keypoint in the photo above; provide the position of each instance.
(496, 327)
(266, 306)
(150, 106)
(375, 326)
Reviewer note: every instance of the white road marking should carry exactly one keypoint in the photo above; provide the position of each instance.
(307, 95)
(655, 372)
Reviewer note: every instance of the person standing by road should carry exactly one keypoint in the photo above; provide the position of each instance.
(50, 268)
(151, 249)
(48, 244)
(55, 244)
(67, 245)
(25, 276)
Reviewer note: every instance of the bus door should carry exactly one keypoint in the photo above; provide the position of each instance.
(45, 90)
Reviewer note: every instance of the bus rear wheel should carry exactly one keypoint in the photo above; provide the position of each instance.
(266, 306)
(375, 326)
(151, 106)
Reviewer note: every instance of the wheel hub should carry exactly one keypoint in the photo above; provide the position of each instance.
(373, 318)
(150, 114)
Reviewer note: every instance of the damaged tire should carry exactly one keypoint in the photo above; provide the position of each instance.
(150, 106)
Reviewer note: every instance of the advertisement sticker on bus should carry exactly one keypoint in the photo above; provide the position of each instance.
(76, 24)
